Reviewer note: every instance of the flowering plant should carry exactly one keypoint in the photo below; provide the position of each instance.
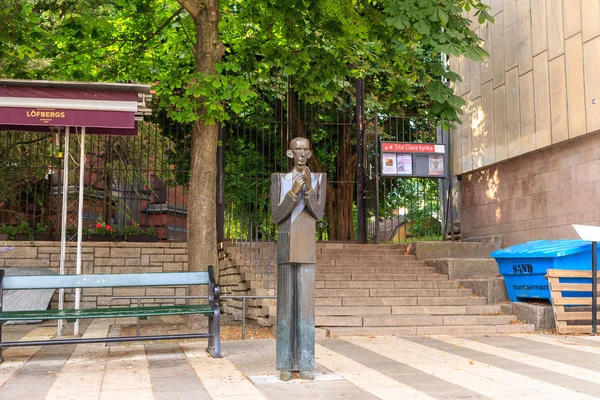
(103, 229)
(136, 229)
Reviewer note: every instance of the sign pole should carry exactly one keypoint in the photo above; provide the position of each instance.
(63, 231)
(80, 223)
(594, 288)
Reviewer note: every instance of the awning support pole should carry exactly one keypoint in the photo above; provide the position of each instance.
(80, 223)
(63, 232)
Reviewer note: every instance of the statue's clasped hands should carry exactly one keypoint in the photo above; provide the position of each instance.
(303, 179)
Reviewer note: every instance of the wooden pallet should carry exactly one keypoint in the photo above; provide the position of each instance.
(560, 299)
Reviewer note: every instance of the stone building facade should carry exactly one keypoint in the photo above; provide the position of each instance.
(528, 152)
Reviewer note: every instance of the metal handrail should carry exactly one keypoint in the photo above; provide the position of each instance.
(139, 298)
(249, 246)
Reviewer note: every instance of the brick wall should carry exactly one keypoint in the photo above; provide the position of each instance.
(105, 258)
(535, 196)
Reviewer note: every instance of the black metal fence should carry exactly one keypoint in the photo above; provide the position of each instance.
(402, 209)
(128, 182)
(143, 180)
(397, 209)
(255, 147)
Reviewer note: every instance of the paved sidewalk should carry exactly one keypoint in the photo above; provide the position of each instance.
(435, 367)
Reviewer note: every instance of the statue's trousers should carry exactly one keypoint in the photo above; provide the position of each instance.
(295, 317)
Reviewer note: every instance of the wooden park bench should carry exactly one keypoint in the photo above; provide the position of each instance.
(211, 309)
(571, 300)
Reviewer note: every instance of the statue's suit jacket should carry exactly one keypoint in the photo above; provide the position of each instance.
(296, 217)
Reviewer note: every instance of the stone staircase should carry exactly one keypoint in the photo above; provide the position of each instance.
(374, 290)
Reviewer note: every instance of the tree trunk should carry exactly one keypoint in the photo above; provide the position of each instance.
(201, 222)
(340, 195)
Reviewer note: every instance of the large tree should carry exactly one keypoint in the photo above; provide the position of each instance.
(201, 77)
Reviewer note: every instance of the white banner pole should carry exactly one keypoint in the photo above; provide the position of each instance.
(80, 224)
(63, 232)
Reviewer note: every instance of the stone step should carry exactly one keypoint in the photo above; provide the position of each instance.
(247, 269)
(260, 284)
(337, 321)
(451, 301)
(403, 320)
(416, 292)
(413, 320)
(491, 309)
(328, 301)
(392, 292)
(436, 250)
(363, 250)
(386, 284)
(466, 268)
(240, 262)
(346, 263)
(255, 264)
(430, 330)
(408, 310)
(253, 275)
(365, 257)
(336, 293)
(456, 320)
(261, 292)
(370, 301)
(352, 311)
(375, 270)
(384, 257)
(381, 277)
(269, 321)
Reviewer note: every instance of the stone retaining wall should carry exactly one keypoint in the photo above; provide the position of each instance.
(105, 258)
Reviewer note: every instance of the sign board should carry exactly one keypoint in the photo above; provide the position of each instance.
(586, 232)
(423, 160)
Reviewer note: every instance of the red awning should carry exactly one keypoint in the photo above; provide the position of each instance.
(47, 106)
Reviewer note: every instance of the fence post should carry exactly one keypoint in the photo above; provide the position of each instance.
(221, 186)
(360, 161)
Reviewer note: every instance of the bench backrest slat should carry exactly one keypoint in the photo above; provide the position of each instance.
(16, 282)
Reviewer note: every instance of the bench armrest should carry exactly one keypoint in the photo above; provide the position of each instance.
(214, 291)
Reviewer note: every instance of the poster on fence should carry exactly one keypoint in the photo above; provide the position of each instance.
(436, 165)
(389, 164)
(404, 162)
(418, 160)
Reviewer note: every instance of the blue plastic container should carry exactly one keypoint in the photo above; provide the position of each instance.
(524, 266)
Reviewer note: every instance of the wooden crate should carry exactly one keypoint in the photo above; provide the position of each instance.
(560, 300)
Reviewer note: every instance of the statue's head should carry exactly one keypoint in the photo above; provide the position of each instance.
(300, 151)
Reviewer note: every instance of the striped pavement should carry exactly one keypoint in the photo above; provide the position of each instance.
(518, 366)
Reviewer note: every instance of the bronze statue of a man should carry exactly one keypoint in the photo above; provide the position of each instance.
(297, 199)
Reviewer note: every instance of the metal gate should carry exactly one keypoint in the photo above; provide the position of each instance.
(394, 210)
(403, 209)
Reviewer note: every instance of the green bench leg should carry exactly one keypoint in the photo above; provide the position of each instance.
(214, 328)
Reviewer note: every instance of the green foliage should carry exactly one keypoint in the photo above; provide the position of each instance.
(395, 45)
(24, 229)
(135, 229)
(9, 230)
(41, 229)
(322, 46)
(425, 222)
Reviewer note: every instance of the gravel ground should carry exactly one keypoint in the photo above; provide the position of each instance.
(230, 329)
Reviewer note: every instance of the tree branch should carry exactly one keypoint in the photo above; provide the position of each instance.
(191, 7)
(189, 39)
(159, 29)
(13, 145)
